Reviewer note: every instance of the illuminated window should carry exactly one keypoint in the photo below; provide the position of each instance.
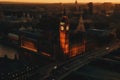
(62, 28)
(67, 28)
(29, 44)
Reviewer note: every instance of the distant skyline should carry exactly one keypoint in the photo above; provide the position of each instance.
(63, 1)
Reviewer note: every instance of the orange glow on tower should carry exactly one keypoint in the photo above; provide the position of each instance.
(68, 47)
(64, 42)
(64, 36)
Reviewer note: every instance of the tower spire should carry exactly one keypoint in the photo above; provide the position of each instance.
(64, 12)
(64, 33)
(76, 2)
(80, 26)
(76, 5)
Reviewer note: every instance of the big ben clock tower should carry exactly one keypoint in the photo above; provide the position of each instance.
(64, 33)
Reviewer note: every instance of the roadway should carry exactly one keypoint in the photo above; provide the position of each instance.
(103, 68)
(67, 67)
(63, 69)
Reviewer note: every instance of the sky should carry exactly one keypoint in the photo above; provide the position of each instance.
(63, 1)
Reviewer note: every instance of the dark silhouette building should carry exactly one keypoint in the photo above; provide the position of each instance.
(90, 8)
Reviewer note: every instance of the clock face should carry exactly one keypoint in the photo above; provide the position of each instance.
(67, 28)
(61, 28)
(64, 26)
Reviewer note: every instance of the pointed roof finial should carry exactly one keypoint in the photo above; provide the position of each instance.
(80, 26)
(76, 5)
(76, 2)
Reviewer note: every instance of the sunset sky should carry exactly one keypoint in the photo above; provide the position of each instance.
(63, 1)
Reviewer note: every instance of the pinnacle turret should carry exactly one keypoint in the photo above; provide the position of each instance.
(80, 26)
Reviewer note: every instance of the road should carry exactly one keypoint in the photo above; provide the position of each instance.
(66, 68)
(63, 69)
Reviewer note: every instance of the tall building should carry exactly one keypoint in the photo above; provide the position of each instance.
(76, 5)
(77, 39)
(72, 42)
(2, 17)
(90, 8)
(117, 9)
(62, 43)
(80, 26)
(64, 33)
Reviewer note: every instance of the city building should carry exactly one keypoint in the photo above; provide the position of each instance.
(56, 44)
